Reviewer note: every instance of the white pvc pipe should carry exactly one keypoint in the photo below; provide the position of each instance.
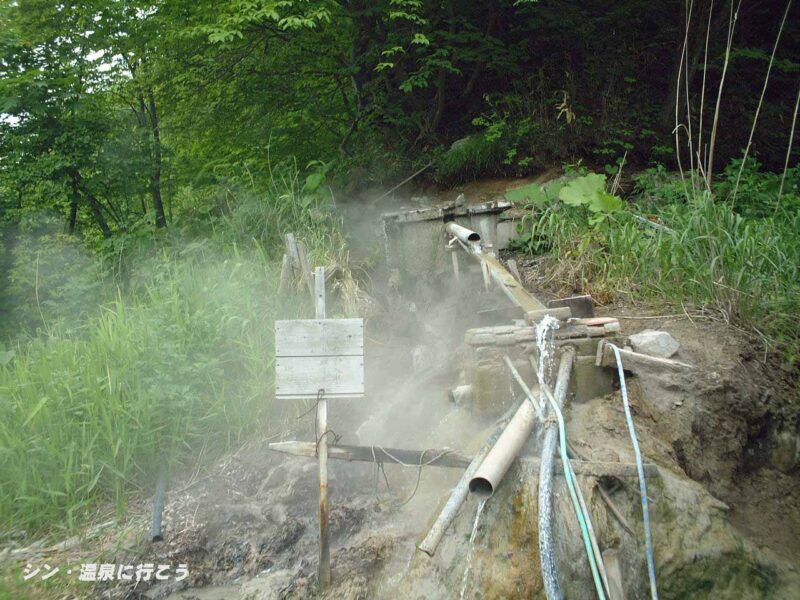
(464, 235)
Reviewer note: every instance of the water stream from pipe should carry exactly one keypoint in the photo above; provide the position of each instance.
(545, 345)
(465, 578)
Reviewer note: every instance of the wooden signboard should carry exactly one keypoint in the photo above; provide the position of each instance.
(319, 354)
(320, 359)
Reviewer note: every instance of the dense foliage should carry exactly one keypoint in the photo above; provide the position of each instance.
(111, 107)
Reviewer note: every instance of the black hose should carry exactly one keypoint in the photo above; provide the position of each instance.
(156, 534)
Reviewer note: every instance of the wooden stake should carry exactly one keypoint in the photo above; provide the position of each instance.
(307, 275)
(322, 452)
(286, 274)
(291, 250)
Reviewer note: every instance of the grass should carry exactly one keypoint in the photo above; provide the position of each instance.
(746, 269)
(178, 365)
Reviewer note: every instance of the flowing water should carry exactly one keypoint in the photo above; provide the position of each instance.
(545, 345)
(465, 578)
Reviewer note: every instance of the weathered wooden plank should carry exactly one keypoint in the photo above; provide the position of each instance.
(324, 574)
(291, 248)
(637, 362)
(306, 375)
(318, 337)
(451, 209)
(447, 458)
(581, 306)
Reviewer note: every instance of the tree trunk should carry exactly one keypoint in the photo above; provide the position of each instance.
(155, 173)
(94, 205)
(73, 205)
(97, 212)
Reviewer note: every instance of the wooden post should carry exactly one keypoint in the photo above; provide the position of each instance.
(306, 268)
(291, 249)
(322, 450)
(286, 274)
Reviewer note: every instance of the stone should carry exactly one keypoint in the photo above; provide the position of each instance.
(654, 343)
(505, 340)
(479, 339)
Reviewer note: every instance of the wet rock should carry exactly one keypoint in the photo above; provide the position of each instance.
(283, 537)
(698, 553)
(270, 586)
(786, 452)
(654, 343)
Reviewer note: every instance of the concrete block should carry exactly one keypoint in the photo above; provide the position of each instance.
(485, 353)
(508, 339)
(525, 334)
(491, 384)
(479, 339)
(583, 346)
(590, 381)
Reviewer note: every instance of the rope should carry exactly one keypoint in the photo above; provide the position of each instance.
(651, 565)
(317, 434)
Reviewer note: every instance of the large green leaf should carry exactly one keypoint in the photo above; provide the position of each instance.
(603, 202)
(527, 193)
(583, 190)
(535, 193)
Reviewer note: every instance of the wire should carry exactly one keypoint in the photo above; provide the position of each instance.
(422, 464)
(651, 566)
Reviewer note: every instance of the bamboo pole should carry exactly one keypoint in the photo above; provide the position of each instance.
(459, 494)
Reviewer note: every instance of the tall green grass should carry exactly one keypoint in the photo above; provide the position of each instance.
(178, 365)
(745, 269)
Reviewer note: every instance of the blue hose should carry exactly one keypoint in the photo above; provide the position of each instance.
(651, 565)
